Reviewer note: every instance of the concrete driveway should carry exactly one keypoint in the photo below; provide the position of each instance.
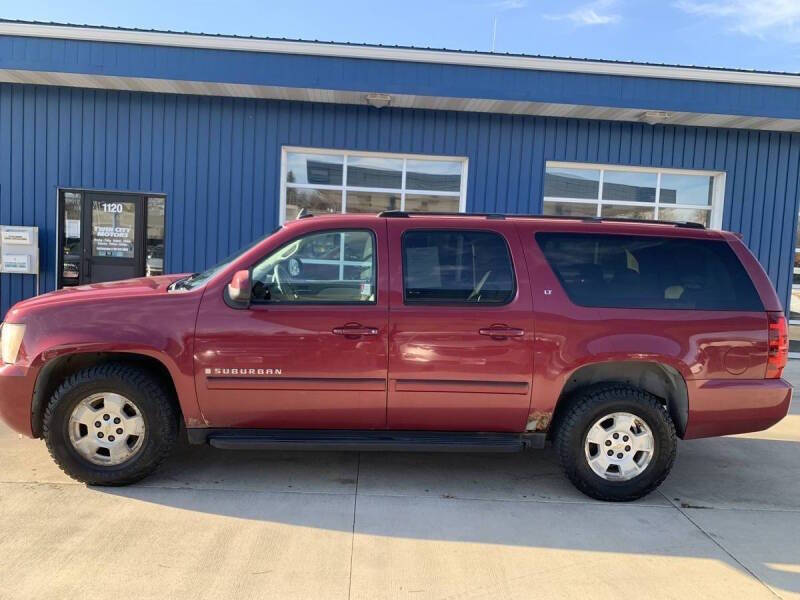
(216, 524)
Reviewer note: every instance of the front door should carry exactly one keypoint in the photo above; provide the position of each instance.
(310, 350)
(113, 237)
(108, 236)
(461, 321)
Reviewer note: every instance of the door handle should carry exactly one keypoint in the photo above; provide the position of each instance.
(355, 331)
(500, 333)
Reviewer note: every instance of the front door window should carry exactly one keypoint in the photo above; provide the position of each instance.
(113, 228)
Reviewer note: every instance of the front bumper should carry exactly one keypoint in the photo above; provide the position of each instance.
(16, 394)
(730, 406)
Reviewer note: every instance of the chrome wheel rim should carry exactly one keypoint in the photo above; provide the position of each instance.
(106, 429)
(619, 446)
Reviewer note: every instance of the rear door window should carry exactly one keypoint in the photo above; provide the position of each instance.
(627, 271)
(456, 267)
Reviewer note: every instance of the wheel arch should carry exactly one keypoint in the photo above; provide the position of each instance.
(56, 370)
(657, 378)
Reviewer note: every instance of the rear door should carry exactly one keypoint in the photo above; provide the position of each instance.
(461, 326)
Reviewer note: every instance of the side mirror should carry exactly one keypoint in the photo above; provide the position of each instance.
(239, 287)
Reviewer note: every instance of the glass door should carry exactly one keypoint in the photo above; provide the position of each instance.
(112, 237)
(108, 236)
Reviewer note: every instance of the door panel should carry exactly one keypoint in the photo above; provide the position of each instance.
(298, 366)
(459, 366)
(113, 237)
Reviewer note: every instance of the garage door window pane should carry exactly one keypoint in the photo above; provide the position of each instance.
(317, 201)
(561, 182)
(690, 215)
(374, 172)
(629, 186)
(433, 175)
(372, 202)
(570, 209)
(461, 267)
(422, 203)
(628, 212)
(686, 189)
(316, 169)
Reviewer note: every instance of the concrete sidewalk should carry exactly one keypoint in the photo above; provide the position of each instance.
(216, 524)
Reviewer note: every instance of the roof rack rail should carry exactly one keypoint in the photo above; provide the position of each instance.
(403, 214)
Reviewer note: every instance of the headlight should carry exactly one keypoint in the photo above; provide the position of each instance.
(10, 341)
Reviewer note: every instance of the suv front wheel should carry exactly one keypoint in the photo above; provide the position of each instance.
(616, 442)
(111, 424)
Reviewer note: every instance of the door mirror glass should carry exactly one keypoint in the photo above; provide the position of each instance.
(239, 287)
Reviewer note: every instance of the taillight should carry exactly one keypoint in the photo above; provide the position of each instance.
(778, 344)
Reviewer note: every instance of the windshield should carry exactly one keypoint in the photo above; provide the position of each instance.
(195, 280)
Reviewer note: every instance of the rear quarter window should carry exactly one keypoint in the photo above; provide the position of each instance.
(628, 271)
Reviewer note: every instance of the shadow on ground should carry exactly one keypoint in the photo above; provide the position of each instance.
(735, 496)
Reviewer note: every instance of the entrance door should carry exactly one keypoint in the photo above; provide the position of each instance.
(108, 236)
(113, 241)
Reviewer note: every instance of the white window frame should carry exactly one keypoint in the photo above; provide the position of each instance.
(717, 197)
(285, 150)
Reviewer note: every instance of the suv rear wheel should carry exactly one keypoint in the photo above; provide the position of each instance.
(110, 424)
(616, 442)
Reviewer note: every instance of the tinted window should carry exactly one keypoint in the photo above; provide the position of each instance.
(457, 266)
(326, 267)
(621, 271)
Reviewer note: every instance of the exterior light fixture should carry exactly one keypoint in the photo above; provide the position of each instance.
(378, 100)
(653, 117)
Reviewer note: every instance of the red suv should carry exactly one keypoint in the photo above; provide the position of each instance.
(479, 333)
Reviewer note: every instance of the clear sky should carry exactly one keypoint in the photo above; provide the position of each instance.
(752, 34)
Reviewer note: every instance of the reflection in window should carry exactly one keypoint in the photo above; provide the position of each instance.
(326, 267)
(438, 175)
(372, 202)
(562, 182)
(71, 251)
(794, 302)
(316, 201)
(319, 169)
(113, 228)
(328, 182)
(687, 189)
(629, 193)
(155, 236)
(629, 186)
(372, 172)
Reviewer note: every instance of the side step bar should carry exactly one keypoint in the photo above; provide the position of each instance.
(364, 441)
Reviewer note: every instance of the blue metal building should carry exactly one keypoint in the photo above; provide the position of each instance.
(196, 144)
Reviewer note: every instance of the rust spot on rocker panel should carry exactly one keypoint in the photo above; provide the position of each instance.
(538, 421)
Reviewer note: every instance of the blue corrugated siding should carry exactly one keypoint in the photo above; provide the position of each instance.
(395, 77)
(218, 162)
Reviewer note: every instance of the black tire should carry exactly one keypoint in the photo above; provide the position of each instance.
(138, 385)
(592, 404)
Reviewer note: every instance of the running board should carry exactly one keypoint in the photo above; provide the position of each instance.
(364, 441)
